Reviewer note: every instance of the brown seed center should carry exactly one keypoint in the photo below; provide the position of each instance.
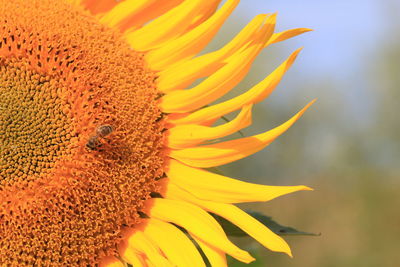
(34, 130)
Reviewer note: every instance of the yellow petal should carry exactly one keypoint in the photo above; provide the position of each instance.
(236, 216)
(220, 82)
(179, 76)
(186, 135)
(98, 6)
(214, 255)
(214, 187)
(192, 42)
(163, 233)
(210, 9)
(251, 226)
(133, 257)
(282, 36)
(222, 153)
(138, 241)
(154, 10)
(212, 88)
(111, 262)
(124, 10)
(166, 27)
(198, 223)
(254, 95)
(116, 264)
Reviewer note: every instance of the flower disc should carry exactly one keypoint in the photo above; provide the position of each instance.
(63, 75)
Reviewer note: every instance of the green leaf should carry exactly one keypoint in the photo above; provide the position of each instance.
(232, 230)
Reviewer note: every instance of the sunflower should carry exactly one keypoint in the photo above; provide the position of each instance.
(106, 136)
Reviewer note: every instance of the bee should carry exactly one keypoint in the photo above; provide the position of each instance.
(102, 131)
(93, 143)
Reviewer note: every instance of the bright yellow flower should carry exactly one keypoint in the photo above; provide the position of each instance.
(104, 139)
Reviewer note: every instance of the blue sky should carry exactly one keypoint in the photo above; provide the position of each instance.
(345, 31)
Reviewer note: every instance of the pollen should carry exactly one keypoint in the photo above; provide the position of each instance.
(64, 76)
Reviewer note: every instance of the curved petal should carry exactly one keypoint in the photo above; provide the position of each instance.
(213, 87)
(162, 233)
(166, 27)
(214, 187)
(186, 135)
(124, 10)
(198, 223)
(98, 6)
(192, 42)
(282, 36)
(179, 76)
(254, 95)
(133, 257)
(251, 226)
(154, 10)
(208, 12)
(215, 256)
(220, 82)
(222, 153)
(138, 241)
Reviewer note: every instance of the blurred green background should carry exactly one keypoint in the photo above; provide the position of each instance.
(347, 146)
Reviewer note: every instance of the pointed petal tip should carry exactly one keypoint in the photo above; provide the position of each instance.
(274, 15)
(298, 188)
(298, 50)
(270, 19)
(308, 105)
(285, 249)
(294, 55)
(299, 31)
(247, 258)
(303, 110)
(306, 188)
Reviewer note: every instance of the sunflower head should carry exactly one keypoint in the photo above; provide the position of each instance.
(104, 138)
